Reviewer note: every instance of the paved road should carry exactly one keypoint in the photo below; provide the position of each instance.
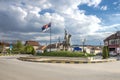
(13, 69)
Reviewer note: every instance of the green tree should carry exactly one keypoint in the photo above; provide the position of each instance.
(29, 50)
(18, 47)
(105, 52)
(1, 48)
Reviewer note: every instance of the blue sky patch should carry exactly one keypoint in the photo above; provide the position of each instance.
(112, 7)
(46, 10)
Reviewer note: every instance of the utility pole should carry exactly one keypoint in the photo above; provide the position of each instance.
(83, 41)
(58, 43)
(100, 48)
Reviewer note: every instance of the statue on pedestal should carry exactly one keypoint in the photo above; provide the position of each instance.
(66, 42)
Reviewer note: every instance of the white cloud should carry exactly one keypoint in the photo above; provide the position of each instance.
(42, 38)
(116, 15)
(107, 28)
(94, 3)
(66, 15)
(115, 3)
(104, 31)
(104, 8)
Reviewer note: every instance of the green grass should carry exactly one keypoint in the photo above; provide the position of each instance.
(66, 54)
(8, 54)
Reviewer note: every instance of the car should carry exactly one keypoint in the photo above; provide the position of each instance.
(112, 53)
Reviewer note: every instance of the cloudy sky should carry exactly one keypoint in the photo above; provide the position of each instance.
(92, 20)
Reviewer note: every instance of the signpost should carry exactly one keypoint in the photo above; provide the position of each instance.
(11, 46)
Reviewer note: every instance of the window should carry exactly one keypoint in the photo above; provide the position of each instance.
(118, 33)
(112, 42)
(118, 41)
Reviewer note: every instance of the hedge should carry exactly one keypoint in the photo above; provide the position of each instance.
(66, 54)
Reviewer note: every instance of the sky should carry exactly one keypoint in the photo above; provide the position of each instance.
(89, 20)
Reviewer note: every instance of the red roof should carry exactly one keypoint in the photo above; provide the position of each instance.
(113, 36)
(32, 43)
(55, 45)
(4, 43)
(42, 48)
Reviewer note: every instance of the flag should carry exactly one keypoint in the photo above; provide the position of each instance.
(46, 27)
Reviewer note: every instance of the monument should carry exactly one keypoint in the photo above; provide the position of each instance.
(66, 42)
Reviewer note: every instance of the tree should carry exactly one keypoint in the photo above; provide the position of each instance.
(1, 48)
(29, 50)
(18, 47)
(105, 52)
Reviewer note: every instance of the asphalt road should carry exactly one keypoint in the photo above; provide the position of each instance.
(13, 69)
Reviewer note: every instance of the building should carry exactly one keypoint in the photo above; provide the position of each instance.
(113, 43)
(91, 49)
(33, 43)
(4, 46)
(55, 47)
(41, 49)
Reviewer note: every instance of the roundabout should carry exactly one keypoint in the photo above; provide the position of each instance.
(14, 69)
(68, 60)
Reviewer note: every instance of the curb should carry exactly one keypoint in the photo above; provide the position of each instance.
(65, 61)
(7, 55)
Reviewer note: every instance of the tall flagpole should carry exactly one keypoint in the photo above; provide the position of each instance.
(50, 33)
(45, 27)
(50, 37)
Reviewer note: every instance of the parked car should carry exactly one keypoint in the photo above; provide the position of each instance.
(112, 53)
(77, 49)
(99, 54)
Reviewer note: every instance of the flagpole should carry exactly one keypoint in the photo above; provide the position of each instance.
(44, 28)
(50, 39)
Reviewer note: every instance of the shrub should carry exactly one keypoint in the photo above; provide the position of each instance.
(29, 50)
(105, 52)
(18, 47)
(66, 54)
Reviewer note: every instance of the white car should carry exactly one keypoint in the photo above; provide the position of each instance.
(112, 53)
